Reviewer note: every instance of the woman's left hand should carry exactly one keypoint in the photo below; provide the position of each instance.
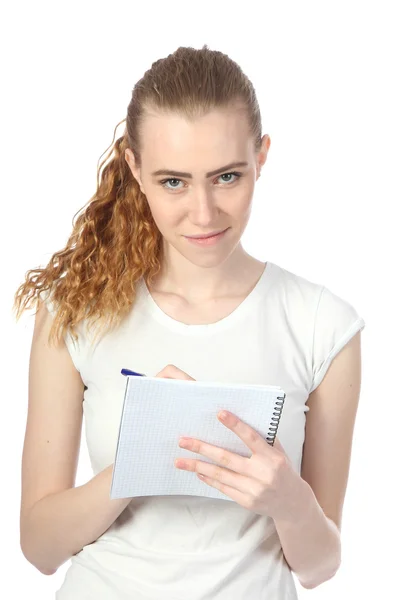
(265, 483)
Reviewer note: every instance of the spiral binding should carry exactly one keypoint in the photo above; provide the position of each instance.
(274, 423)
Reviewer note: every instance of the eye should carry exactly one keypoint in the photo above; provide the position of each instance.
(237, 175)
(163, 182)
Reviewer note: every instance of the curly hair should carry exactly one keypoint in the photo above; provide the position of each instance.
(115, 241)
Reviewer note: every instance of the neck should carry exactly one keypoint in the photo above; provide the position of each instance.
(204, 282)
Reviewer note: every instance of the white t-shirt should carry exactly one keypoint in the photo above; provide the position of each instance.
(286, 332)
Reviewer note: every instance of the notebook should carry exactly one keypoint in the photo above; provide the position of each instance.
(157, 411)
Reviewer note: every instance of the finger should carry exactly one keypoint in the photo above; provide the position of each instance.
(278, 448)
(222, 457)
(225, 477)
(251, 438)
(173, 372)
(244, 499)
(277, 444)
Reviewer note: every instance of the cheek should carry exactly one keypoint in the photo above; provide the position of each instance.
(163, 214)
(239, 204)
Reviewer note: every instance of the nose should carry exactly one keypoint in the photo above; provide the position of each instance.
(203, 210)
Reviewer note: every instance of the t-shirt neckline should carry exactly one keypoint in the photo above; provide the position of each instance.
(244, 308)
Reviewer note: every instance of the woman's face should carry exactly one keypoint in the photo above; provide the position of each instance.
(188, 200)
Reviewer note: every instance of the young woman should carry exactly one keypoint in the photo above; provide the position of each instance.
(156, 260)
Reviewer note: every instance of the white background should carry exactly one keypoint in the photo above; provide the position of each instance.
(327, 76)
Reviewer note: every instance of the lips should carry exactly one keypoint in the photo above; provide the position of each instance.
(210, 241)
(205, 236)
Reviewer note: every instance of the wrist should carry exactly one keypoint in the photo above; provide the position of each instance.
(300, 502)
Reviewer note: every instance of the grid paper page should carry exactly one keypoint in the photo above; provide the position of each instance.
(157, 411)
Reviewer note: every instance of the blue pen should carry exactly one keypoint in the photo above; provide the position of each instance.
(128, 372)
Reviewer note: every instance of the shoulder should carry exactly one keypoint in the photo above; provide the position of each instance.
(315, 296)
(299, 287)
(325, 319)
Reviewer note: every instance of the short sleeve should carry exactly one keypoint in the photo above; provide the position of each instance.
(72, 346)
(336, 322)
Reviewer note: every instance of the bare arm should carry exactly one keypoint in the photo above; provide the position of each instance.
(61, 524)
(57, 519)
(311, 540)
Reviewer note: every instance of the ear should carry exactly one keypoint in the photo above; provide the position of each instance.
(262, 154)
(130, 158)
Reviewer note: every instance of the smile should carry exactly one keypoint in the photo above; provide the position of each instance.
(208, 241)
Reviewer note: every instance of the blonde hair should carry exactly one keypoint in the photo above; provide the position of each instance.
(115, 241)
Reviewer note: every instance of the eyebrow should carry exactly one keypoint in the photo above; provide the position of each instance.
(209, 174)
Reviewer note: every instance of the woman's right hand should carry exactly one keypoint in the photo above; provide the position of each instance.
(173, 372)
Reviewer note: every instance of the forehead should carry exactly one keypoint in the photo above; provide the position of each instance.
(172, 139)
